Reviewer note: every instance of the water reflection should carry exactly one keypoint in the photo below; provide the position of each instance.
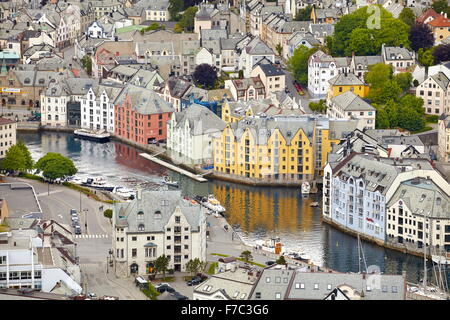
(260, 212)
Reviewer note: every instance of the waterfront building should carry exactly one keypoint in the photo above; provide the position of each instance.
(190, 133)
(234, 284)
(349, 105)
(344, 82)
(418, 212)
(8, 130)
(54, 105)
(279, 283)
(278, 149)
(444, 138)
(97, 107)
(157, 223)
(434, 91)
(358, 187)
(141, 115)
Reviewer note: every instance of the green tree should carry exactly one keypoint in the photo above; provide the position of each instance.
(281, 260)
(175, 7)
(14, 159)
(304, 14)
(108, 213)
(411, 120)
(162, 265)
(441, 6)
(413, 102)
(246, 255)
(54, 166)
(86, 62)
(391, 109)
(361, 42)
(320, 106)
(177, 28)
(407, 16)
(187, 19)
(381, 119)
(378, 75)
(298, 63)
(192, 266)
(404, 80)
(425, 57)
(279, 49)
(389, 91)
(29, 163)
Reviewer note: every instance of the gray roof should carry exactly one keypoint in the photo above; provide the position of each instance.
(441, 79)
(397, 53)
(345, 79)
(164, 202)
(423, 197)
(258, 47)
(213, 34)
(201, 120)
(144, 101)
(349, 101)
(270, 70)
(80, 86)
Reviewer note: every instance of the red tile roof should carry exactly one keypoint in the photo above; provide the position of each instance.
(440, 22)
(427, 14)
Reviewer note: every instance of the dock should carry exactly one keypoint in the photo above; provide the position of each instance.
(173, 168)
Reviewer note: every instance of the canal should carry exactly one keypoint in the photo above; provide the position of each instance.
(259, 211)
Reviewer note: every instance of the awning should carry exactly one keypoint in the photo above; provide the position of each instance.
(150, 244)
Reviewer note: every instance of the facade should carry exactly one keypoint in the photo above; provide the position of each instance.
(278, 149)
(141, 115)
(157, 223)
(344, 82)
(54, 105)
(7, 135)
(441, 28)
(246, 89)
(190, 133)
(444, 138)
(349, 105)
(435, 92)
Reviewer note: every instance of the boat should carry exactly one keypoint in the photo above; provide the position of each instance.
(98, 136)
(299, 256)
(98, 183)
(168, 181)
(211, 203)
(273, 245)
(125, 192)
(306, 187)
(76, 180)
(314, 204)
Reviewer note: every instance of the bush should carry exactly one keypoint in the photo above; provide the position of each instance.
(212, 267)
(151, 291)
(108, 213)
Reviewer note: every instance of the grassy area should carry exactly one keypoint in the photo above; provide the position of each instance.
(151, 292)
(240, 259)
(424, 129)
(431, 118)
(212, 267)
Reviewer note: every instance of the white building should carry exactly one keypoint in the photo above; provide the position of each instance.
(252, 53)
(190, 133)
(157, 223)
(435, 92)
(349, 105)
(7, 135)
(97, 107)
(98, 30)
(53, 105)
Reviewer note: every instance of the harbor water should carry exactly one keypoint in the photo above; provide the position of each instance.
(258, 212)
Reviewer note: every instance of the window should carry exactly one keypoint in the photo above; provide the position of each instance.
(267, 279)
(133, 238)
(257, 295)
(38, 274)
(133, 253)
(316, 286)
(278, 295)
(394, 289)
(368, 288)
(329, 286)
(277, 279)
(384, 289)
(177, 219)
(3, 260)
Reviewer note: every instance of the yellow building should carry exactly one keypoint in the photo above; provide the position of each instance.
(440, 27)
(344, 82)
(279, 149)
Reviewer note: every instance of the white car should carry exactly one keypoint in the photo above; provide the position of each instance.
(74, 218)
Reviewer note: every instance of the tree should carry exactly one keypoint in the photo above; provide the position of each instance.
(177, 28)
(320, 106)
(377, 75)
(389, 91)
(441, 6)
(246, 255)
(86, 62)
(361, 42)
(175, 7)
(391, 109)
(187, 19)
(205, 75)
(441, 53)
(413, 102)
(281, 260)
(279, 49)
(411, 120)
(407, 16)
(162, 264)
(404, 80)
(304, 14)
(355, 26)
(192, 266)
(381, 119)
(29, 163)
(108, 213)
(420, 36)
(14, 159)
(54, 166)
(298, 63)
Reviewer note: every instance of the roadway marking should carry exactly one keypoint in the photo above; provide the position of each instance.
(90, 236)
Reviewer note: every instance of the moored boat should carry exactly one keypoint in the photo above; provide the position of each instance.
(98, 136)
(125, 192)
(98, 183)
(273, 245)
(306, 188)
(211, 203)
(168, 181)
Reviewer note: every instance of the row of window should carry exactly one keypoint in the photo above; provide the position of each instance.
(20, 275)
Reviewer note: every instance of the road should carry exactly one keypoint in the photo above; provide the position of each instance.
(93, 244)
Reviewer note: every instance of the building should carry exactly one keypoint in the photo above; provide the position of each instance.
(444, 138)
(234, 284)
(141, 115)
(99, 30)
(22, 200)
(441, 28)
(190, 133)
(97, 107)
(54, 105)
(246, 89)
(344, 82)
(157, 223)
(435, 92)
(348, 106)
(252, 53)
(418, 213)
(285, 284)
(273, 78)
(400, 58)
(7, 135)
(278, 149)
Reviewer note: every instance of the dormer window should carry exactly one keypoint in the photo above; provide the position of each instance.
(140, 215)
(141, 227)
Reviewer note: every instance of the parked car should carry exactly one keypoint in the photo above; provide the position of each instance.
(164, 288)
(74, 217)
(179, 296)
(270, 263)
(73, 211)
(195, 281)
(77, 229)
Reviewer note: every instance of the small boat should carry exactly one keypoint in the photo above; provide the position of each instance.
(211, 203)
(98, 136)
(98, 183)
(314, 204)
(273, 245)
(168, 181)
(125, 192)
(306, 187)
(299, 256)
